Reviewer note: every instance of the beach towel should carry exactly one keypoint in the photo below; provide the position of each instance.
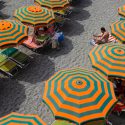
(92, 42)
(112, 39)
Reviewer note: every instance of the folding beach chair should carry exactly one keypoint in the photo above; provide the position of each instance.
(17, 56)
(8, 67)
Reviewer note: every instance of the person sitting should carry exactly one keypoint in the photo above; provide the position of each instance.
(102, 38)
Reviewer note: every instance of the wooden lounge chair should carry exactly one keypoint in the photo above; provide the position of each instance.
(17, 56)
(8, 67)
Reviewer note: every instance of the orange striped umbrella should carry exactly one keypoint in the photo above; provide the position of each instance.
(53, 4)
(109, 59)
(118, 30)
(12, 33)
(21, 119)
(121, 10)
(35, 15)
(79, 95)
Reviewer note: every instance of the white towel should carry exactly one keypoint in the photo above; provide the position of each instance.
(92, 42)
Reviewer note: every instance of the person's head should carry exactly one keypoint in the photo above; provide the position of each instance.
(103, 29)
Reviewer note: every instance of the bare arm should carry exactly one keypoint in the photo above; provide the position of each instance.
(100, 35)
(103, 36)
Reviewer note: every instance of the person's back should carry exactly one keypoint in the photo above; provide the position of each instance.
(105, 36)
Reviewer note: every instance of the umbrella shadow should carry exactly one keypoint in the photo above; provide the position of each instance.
(72, 28)
(79, 14)
(65, 49)
(12, 94)
(82, 3)
(40, 69)
(117, 120)
(2, 15)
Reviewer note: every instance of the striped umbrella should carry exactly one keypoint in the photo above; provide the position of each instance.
(53, 4)
(121, 10)
(21, 119)
(118, 30)
(12, 33)
(34, 15)
(109, 59)
(79, 95)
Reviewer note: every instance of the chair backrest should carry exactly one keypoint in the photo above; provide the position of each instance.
(9, 51)
(3, 59)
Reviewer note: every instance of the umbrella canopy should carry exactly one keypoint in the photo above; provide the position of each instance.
(53, 4)
(20, 119)
(12, 33)
(79, 95)
(62, 122)
(118, 30)
(109, 59)
(121, 10)
(34, 15)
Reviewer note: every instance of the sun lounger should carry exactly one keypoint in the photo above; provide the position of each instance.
(8, 67)
(60, 20)
(64, 13)
(30, 43)
(43, 38)
(19, 57)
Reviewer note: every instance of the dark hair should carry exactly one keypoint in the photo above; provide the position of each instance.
(103, 29)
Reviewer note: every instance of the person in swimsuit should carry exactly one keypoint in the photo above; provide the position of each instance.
(101, 38)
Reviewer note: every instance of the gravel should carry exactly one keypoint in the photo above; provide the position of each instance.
(23, 94)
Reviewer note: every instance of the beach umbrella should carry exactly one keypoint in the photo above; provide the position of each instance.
(12, 33)
(121, 10)
(21, 119)
(118, 30)
(53, 4)
(62, 122)
(79, 95)
(109, 59)
(35, 16)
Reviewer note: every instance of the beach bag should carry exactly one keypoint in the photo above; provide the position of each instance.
(61, 37)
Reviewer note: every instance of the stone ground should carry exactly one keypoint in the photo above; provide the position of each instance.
(23, 94)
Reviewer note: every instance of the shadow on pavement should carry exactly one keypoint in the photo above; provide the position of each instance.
(40, 69)
(12, 94)
(2, 15)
